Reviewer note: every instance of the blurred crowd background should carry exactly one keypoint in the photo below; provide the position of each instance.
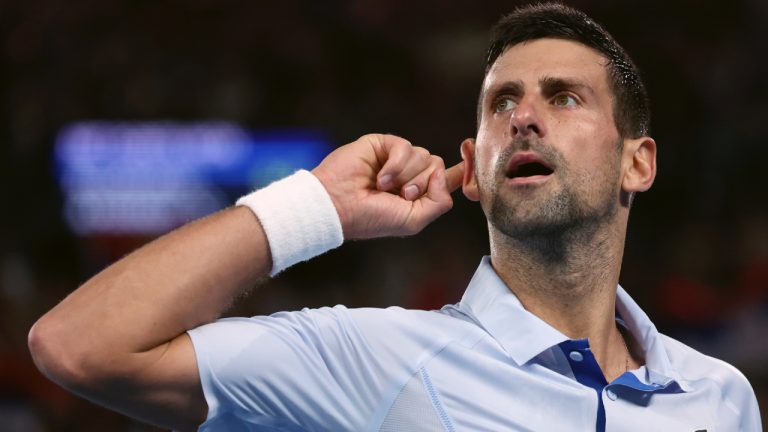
(697, 252)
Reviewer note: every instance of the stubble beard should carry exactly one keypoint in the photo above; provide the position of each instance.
(554, 228)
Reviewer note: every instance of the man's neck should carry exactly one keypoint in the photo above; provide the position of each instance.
(573, 289)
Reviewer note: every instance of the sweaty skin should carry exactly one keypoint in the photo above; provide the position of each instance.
(558, 240)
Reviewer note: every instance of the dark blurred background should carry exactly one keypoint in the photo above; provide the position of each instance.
(697, 252)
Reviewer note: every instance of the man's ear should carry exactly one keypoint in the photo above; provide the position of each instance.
(469, 184)
(639, 164)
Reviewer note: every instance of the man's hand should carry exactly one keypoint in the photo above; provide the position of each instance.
(381, 186)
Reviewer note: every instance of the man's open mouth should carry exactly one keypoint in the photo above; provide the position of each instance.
(527, 165)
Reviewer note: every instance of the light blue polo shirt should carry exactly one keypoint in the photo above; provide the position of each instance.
(484, 364)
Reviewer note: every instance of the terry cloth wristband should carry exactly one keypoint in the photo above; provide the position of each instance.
(298, 217)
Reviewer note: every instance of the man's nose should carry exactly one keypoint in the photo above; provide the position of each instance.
(525, 119)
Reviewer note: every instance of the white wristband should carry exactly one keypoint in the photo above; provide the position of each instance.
(298, 217)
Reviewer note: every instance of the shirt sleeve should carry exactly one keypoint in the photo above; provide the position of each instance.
(737, 407)
(306, 370)
(740, 399)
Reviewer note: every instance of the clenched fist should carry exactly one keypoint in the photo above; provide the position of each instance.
(383, 186)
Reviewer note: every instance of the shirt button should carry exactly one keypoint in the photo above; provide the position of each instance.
(611, 395)
(576, 356)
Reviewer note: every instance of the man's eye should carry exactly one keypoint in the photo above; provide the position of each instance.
(564, 100)
(505, 104)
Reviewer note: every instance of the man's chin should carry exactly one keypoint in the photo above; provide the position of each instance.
(525, 229)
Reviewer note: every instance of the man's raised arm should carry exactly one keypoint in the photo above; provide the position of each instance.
(119, 340)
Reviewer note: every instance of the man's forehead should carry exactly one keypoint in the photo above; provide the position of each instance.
(532, 61)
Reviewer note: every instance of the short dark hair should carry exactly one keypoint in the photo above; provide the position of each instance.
(631, 110)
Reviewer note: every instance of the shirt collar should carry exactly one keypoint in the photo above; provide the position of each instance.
(524, 336)
(659, 368)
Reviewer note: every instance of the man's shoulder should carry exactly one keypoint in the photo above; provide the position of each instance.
(390, 325)
(705, 373)
(399, 326)
(340, 332)
(446, 314)
(693, 366)
(392, 332)
(449, 320)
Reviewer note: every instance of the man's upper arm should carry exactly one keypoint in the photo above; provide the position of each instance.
(164, 389)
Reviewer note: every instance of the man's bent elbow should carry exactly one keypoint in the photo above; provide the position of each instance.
(55, 358)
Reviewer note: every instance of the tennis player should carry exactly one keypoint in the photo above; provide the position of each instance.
(543, 339)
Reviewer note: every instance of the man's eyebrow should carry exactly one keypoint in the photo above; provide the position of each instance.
(513, 88)
(552, 85)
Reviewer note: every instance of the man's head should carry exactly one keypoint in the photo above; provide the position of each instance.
(556, 154)
(553, 20)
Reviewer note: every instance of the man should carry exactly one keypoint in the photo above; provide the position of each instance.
(543, 338)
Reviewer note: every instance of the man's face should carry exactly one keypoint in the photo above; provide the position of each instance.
(547, 156)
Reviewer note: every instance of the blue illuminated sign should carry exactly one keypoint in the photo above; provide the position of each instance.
(147, 178)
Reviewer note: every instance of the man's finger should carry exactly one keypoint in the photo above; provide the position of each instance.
(454, 176)
(429, 206)
(398, 153)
